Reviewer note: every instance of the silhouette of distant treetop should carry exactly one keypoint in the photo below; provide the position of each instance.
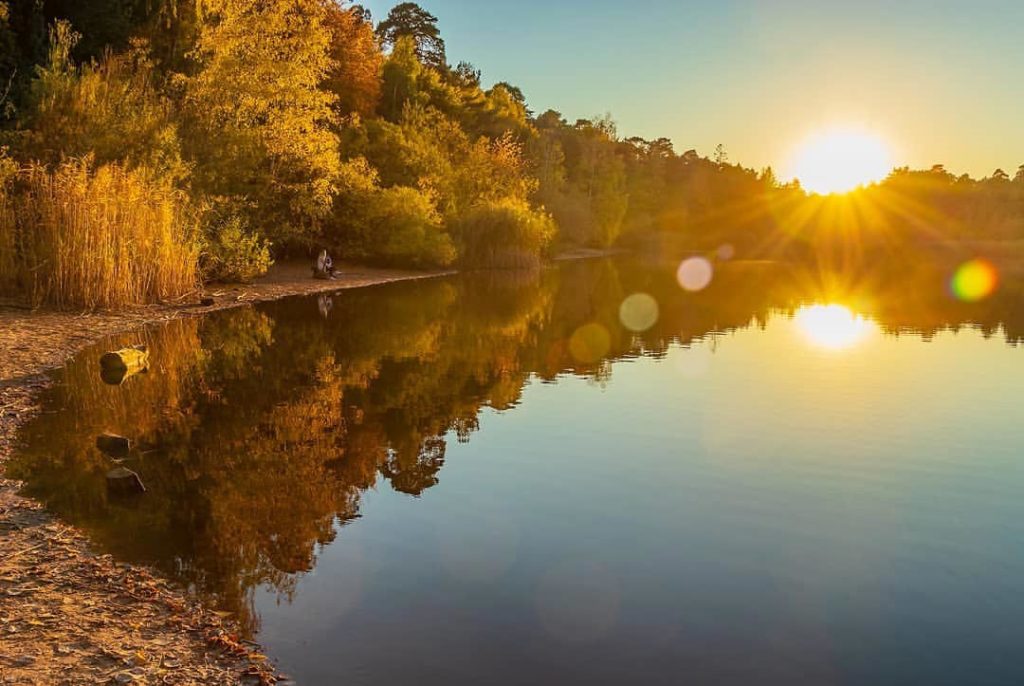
(410, 20)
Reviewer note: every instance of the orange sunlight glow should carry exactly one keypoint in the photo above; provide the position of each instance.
(833, 327)
(840, 160)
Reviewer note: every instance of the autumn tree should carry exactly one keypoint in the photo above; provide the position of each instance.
(647, 179)
(466, 74)
(410, 20)
(583, 178)
(721, 155)
(401, 79)
(260, 123)
(354, 77)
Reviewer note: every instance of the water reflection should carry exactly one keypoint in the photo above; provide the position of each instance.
(257, 432)
(832, 326)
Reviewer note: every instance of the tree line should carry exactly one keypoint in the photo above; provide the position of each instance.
(208, 135)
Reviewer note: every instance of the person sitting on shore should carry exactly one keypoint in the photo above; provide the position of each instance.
(323, 268)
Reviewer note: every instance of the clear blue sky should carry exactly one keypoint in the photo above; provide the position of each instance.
(941, 81)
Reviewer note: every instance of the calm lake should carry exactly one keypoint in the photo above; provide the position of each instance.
(586, 475)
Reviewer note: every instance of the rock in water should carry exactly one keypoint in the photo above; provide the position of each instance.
(114, 446)
(123, 481)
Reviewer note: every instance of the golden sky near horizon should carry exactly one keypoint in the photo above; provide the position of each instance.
(937, 81)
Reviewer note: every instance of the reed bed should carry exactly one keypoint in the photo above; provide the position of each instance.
(79, 237)
(8, 263)
(507, 234)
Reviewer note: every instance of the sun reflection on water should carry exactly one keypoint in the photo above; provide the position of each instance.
(832, 326)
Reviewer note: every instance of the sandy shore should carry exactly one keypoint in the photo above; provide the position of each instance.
(68, 614)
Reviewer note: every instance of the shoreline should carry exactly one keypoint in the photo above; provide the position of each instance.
(71, 614)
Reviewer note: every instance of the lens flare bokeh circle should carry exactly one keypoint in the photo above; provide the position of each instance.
(695, 274)
(639, 312)
(974, 281)
(590, 343)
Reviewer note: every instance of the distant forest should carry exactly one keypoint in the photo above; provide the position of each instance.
(148, 145)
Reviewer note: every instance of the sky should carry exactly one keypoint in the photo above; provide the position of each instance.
(941, 82)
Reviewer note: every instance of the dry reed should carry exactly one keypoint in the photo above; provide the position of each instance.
(8, 263)
(78, 237)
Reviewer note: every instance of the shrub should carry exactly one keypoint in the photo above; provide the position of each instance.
(504, 234)
(574, 218)
(405, 229)
(398, 226)
(86, 237)
(112, 110)
(233, 253)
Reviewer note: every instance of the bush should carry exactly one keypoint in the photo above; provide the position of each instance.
(397, 226)
(85, 237)
(504, 234)
(112, 110)
(406, 229)
(574, 218)
(234, 254)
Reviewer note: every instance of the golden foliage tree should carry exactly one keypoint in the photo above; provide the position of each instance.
(355, 76)
(261, 124)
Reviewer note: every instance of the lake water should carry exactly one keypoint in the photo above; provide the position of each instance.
(587, 475)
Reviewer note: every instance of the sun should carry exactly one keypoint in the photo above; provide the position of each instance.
(839, 160)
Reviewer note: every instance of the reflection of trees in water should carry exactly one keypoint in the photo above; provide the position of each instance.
(912, 295)
(257, 430)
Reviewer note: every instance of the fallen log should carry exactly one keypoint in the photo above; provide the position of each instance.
(118, 365)
(126, 358)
